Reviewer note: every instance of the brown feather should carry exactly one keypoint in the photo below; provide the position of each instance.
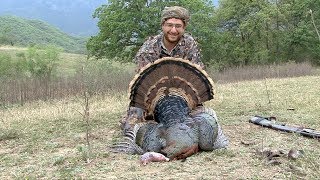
(172, 76)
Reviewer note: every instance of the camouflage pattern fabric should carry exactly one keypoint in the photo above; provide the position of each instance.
(175, 12)
(153, 49)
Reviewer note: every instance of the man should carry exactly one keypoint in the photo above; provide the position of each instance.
(171, 42)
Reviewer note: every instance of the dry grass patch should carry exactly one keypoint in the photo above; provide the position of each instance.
(46, 140)
(254, 72)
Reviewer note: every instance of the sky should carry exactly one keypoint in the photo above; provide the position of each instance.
(215, 2)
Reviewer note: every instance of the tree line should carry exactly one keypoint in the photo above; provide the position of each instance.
(236, 33)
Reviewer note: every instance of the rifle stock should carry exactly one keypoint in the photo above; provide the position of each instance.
(267, 122)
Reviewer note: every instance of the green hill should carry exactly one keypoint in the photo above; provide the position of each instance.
(23, 32)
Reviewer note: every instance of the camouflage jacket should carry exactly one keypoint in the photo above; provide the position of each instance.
(153, 49)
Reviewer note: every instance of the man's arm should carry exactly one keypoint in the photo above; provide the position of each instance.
(193, 51)
(146, 53)
(141, 58)
(196, 56)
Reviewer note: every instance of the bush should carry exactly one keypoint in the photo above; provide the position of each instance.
(5, 65)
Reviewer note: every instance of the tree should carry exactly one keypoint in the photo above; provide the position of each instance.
(266, 31)
(5, 65)
(234, 34)
(6, 36)
(125, 24)
(243, 26)
(42, 62)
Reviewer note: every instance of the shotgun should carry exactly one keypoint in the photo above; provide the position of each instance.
(270, 122)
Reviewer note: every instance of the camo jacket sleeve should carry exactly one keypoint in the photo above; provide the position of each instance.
(148, 52)
(191, 50)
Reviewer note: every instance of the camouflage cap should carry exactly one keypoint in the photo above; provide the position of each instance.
(175, 12)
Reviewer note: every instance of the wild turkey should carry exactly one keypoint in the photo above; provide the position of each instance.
(171, 91)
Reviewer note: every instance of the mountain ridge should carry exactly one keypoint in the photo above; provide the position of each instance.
(73, 17)
(20, 31)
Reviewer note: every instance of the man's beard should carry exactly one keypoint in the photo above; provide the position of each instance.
(172, 40)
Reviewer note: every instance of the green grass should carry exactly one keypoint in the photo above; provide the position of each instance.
(46, 140)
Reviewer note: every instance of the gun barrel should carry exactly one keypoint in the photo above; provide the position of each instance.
(264, 122)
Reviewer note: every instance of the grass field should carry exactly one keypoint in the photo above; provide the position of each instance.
(46, 140)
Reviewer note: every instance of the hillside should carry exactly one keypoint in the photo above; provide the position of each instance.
(23, 32)
(73, 17)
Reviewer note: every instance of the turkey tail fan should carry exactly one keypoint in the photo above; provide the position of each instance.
(170, 76)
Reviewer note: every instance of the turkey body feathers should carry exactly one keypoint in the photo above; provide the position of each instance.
(169, 90)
